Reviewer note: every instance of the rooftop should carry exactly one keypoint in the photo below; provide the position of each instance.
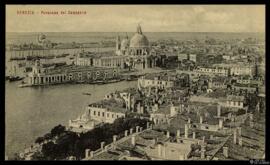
(111, 105)
(235, 98)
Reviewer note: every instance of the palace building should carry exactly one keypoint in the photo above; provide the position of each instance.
(56, 75)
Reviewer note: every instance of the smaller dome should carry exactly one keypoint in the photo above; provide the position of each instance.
(124, 44)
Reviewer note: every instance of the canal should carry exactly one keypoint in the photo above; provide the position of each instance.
(31, 112)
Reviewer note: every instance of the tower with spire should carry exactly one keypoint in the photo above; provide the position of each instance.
(118, 43)
(139, 29)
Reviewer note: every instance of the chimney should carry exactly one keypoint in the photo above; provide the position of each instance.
(229, 115)
(137, 129)
(102, 145)
(234, 136)
(91, 154)
(203, 139)
(114, 138)
(147, 124)
(178, 133)
(186, 131)
(133, 142)
(131, 130)
(251, 123)
(251, 117)
(189, 120)
(168, 134)
(239, 131)
(201, 119)
(126, 133)
(141, 129)
(203, 150)
(218, 110)
(156, 106)
(106, 148)
(87, 153)
(240, 141)
(220, 123)
(159, 150)
(188, 109)
(194, 135)
(225, 152)
(211, 137)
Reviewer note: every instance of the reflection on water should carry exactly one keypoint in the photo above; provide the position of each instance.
(32, 112)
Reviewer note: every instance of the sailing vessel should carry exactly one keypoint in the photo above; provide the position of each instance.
(14, 77)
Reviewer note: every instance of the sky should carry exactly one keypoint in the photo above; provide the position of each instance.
(125, 18)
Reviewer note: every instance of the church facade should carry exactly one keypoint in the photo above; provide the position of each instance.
(136, 51)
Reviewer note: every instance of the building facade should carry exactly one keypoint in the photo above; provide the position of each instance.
(137, 51)
(58, 75)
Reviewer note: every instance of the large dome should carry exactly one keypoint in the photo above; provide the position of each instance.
(139, 40)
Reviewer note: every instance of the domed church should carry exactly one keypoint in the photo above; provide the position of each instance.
(137, 49)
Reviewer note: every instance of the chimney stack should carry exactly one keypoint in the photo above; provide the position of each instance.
(234, 136)
(147, 124)
(102, 145)
(91, 154)
(126, 133)
(168, 134)
(225, 152)
(131, 130)
(189, 120)
(133, 142)
(240, 141)
(137, 129)
(218, 110)
(141, 129)
(201, 119)
(251, 123)
(87, 153)
(186, 131)
(220, 123)
(194, 135)
(114, 138)
(159, 150)
(203, 150)
(251, 117)
(239, 131)
(178, 133)
(203, 139)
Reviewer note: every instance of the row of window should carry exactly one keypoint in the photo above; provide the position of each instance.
(159, 82)
(102, 114)
(234, 103)
(214, 70)
(89, 74)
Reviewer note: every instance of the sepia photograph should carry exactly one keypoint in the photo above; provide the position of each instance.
(135, 82)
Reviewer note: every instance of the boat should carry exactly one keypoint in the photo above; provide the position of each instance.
(86, 93)
(23, 85)
(15, 78)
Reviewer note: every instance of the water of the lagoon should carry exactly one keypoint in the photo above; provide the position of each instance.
(32, 112)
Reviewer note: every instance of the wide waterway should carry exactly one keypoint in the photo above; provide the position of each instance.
(33, 111)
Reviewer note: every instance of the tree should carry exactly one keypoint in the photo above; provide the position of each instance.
(58, 130)
(39, 140)
(48, 150)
